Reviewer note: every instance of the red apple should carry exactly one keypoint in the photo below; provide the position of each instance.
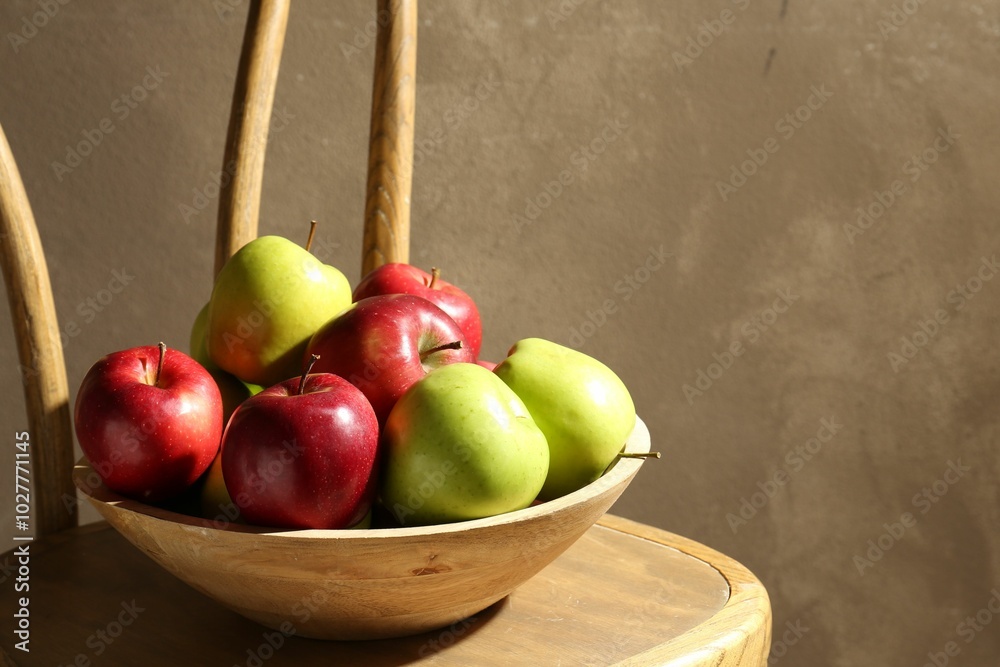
(302, 454)
(383, 344)
(149, 421)
(488, 365)
(398, 278)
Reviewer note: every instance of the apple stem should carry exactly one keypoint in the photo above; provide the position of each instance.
(640, 455)
(435, 274)
(312, 233)
(159, 364)
(454, 345)
(302, 381)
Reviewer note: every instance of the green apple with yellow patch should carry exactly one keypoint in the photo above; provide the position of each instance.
(234, 391)
(268, 300)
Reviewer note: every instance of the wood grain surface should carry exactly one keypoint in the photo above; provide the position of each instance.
(249, 121)
(623, 594)
(363, 584)
(390, 150)
(43, 370)
(738, 634)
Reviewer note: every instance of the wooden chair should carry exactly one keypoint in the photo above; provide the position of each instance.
(625, 593)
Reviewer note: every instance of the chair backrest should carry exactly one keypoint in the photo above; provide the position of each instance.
(39, 348)
(386, 224)
(390, 140)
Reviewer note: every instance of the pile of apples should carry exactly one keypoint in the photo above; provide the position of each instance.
(304, 405)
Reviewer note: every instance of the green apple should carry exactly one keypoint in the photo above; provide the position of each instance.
(581, 406)
(197, 344)
(460, 445)
(216, 504)
(364, 524)
(234, 391)
(268, 300)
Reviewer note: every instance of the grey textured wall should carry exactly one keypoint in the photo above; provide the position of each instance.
(648, 111)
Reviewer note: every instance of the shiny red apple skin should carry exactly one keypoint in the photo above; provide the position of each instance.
(148, 441)
(305, 460)
(379, 343)
(400, 278)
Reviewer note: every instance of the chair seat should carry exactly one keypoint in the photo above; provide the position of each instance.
(623, 592)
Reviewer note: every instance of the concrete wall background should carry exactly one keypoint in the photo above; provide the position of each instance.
(549, 83)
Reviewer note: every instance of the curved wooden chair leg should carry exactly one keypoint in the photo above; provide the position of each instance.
(390, 150)
(249, 121)
(39, 348)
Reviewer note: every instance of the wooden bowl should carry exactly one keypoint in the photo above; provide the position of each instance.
(362, 584)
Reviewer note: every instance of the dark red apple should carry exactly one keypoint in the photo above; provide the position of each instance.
(399, 278)
(383, 344)
(149, 420)
(302, 459)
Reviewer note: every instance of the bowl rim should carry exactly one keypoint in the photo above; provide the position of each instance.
(621, 470)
